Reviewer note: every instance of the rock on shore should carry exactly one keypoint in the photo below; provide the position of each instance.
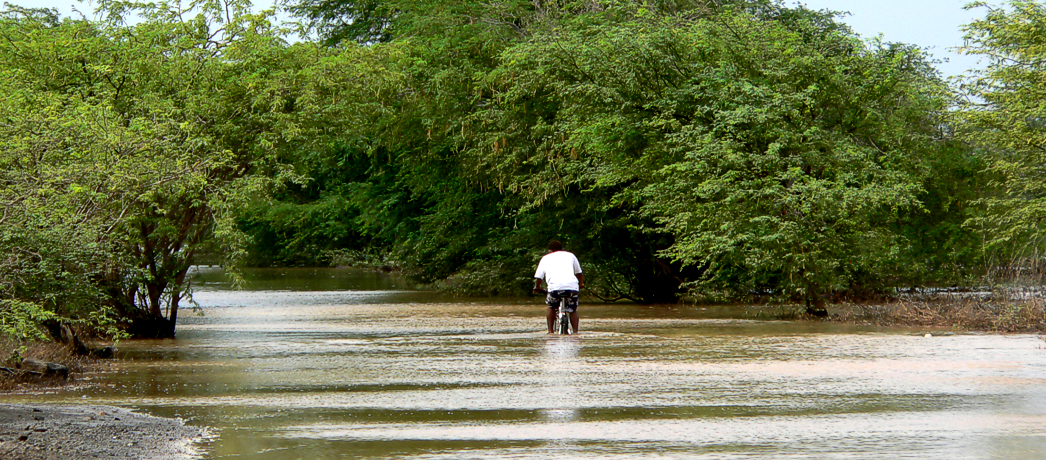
(73, 432)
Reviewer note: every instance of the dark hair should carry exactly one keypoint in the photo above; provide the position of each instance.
(555, 245)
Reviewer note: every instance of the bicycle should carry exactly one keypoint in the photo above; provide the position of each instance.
(562, 324)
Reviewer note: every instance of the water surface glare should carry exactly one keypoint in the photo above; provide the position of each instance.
(330, 364)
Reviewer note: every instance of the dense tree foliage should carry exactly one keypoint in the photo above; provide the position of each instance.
(733, 148)
(123, 150)
(772, 146)
(1005, 120)
(725, 150)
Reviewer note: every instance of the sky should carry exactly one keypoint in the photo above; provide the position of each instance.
(930, 24)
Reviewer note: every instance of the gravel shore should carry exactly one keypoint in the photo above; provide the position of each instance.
(73, 432)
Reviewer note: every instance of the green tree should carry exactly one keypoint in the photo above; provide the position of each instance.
(127, 148)
(1004, 118)
(772, 145)
(337, 21)
(736, 147)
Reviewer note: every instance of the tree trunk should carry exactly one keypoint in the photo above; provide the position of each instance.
(815, 304)
(176, 296)
(148, 327)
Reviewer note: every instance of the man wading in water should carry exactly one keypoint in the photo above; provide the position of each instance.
(561, 270)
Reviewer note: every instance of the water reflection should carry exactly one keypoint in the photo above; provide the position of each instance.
(559, 350)
(562, 381)
(560, 360)
(359, 371)
(210, 278)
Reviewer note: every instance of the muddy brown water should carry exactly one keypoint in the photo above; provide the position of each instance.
(338, 363)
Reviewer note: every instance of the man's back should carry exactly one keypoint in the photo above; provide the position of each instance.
(559, 270)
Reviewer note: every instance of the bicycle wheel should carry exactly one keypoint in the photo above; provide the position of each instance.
(563, 318)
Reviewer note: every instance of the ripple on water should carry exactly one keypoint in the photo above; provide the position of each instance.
(377, 374)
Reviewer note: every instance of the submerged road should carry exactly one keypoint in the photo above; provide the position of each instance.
(284, 372)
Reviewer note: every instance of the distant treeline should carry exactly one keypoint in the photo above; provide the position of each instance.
(717, 150)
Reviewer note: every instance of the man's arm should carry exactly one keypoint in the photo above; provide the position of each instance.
(537, 284)
(580, 281)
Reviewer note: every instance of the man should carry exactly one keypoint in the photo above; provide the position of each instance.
(561, 270)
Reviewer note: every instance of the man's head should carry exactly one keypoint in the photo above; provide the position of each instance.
(554, 246)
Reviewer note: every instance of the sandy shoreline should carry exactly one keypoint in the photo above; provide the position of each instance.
(72, 432)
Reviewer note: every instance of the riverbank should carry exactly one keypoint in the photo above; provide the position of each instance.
(14, 380)
(71, 432)
(955, 312)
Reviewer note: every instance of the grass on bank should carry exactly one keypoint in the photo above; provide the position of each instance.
(1006, 312)
(11, 352)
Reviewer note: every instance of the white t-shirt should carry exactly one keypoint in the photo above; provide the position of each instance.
(558, 270)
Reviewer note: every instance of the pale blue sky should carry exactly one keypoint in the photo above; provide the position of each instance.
(932, 24)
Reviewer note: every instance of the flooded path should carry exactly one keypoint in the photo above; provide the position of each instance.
(328, 364)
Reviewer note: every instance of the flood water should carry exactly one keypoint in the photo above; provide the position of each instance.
(336, 363)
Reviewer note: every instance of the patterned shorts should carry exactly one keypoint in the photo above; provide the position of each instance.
(553, 299)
